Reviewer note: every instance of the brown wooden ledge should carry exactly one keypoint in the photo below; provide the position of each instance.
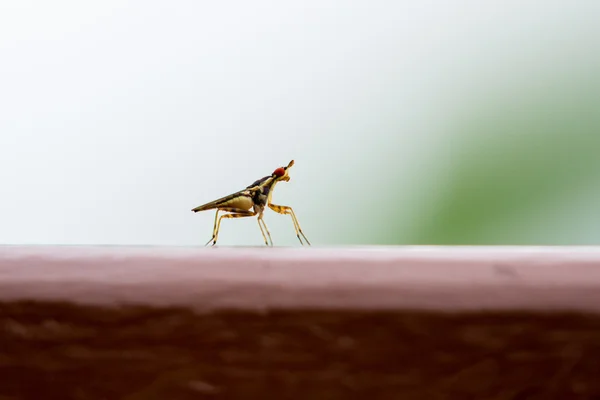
(295, 323)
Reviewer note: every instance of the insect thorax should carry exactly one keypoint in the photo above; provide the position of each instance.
(260, 196)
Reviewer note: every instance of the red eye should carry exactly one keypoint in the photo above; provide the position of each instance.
(279, 172)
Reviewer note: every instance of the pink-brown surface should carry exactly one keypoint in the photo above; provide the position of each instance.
(258, 278)
(254, 323)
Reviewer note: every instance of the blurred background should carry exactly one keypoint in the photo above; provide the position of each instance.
(411, 122)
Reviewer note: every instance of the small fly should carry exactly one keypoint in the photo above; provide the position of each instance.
(252, 201)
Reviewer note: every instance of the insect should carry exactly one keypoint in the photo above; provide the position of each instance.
(252, 201)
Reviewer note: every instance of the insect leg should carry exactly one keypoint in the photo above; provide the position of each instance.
(288, 210)
(260, 219)
(235, 213)
(214, 228)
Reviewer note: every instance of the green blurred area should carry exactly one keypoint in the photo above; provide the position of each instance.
(522, 171)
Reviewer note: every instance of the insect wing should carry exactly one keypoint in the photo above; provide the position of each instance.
(258, 182)
(216, 203)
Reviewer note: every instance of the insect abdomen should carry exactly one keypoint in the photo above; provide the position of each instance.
(241, 202)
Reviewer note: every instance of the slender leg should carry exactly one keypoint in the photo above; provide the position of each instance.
(235, 213)
(266, 229)
(288, 210)
(214, 228)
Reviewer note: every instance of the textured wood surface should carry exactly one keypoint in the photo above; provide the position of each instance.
(253, 323)
(64, 351)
